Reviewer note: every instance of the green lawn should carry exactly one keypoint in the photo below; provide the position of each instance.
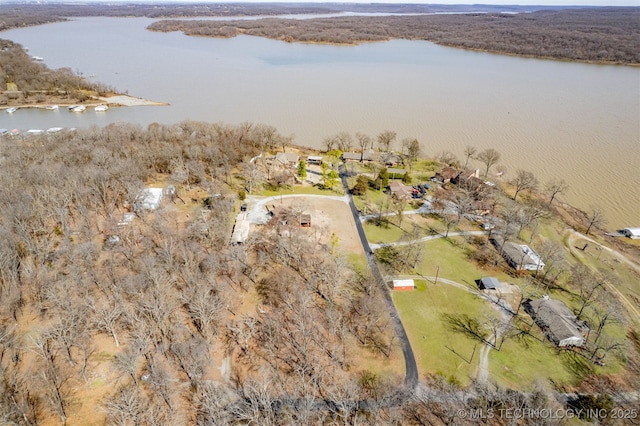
(437, 350)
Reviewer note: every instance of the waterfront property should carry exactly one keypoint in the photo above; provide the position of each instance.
(557, 321)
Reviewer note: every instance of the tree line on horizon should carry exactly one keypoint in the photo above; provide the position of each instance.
(610, 35)
(598, 34)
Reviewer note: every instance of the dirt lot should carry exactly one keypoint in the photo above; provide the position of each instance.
(328, 215)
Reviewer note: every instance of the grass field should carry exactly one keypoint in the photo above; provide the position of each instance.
(436, 350)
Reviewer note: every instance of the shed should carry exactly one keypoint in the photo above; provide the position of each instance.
(633, 233)
(557, 321)
(489, 283)
(305, 220)
(403, 285)
(148, 199)
(314, 159)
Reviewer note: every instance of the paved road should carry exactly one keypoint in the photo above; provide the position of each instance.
(411, 368)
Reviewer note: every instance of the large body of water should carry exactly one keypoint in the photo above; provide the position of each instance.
(579, 122)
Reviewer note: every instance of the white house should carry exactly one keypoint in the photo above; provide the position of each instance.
(633, 233)
(148, 199)
(240, 229)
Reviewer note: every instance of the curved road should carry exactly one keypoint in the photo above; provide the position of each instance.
(411, 368)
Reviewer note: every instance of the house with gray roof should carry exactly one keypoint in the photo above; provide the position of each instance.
(557, 321)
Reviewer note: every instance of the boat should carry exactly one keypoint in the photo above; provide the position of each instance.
(79, 108)
(14, 132)
(71, 107)
(11, 110)
(101, 108)
(51, 107)
(54, 129)
(35, 132)
(4, 132)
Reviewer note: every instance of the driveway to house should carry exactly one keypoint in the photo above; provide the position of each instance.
(411, 367)
(427, 238)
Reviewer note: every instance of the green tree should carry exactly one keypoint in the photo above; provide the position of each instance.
(331, 179)
(406, 178)
(383, 178)
(361, 186)
(302, 169)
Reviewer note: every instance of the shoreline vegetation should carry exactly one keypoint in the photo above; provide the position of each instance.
(25, 82)
(588, 35)
(605, 35)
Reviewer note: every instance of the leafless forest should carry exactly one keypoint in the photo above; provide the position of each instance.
(33, 81)
(598, 35)
(607, 35)
(139, 331)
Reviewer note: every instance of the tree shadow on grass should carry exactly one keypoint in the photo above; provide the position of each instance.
(576, 364)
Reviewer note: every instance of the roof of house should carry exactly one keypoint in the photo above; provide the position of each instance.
(390, 158)
(366, 155)
(287, 157)
(557, 318)
(489, 283)
(148, 199)
(314, 158)
(240, 229)
(448, 173)
(520, 256)
(395, 171)
(399, 190)
(403, 284)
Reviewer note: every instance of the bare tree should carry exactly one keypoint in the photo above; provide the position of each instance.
(469, 152)
(364, 141)
(555, 187)
(489, 157)
(413, 150)
(595, 218)
(447, 157)
(524, 181)
(386, 139)
(589, 285)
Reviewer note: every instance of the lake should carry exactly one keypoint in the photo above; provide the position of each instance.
(579, 122)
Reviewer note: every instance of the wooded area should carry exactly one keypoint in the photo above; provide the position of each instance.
(34, 82)
(602, 34)
(596, 35)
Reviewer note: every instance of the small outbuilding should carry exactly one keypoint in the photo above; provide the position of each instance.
(489, 283)
(314, 159)
(148, 199)
(305, 220)
(403, 285)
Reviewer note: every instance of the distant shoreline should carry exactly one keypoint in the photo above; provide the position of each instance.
(112, 101)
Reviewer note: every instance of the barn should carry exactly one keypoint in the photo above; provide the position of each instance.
(403, 285)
